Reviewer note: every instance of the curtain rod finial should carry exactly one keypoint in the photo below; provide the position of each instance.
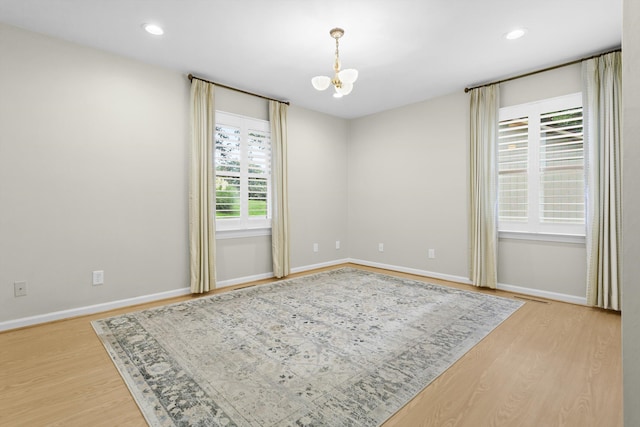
(190, 76)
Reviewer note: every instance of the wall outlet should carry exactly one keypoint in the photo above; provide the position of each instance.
(432, 253)
(98, 277)
(315, 247)
(337, 244)
(380, 247)
(20, 288)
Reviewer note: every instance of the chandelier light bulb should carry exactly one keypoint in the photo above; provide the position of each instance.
(321, 82)
(348, 76)
(345, 89)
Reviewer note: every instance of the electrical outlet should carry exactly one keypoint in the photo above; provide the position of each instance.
(337, 244)
(432, 253)
(315, 247)
(20, 289)
(98, 277)
(380, 247)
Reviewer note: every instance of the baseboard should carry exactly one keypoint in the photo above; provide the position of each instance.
(90, 309)
(424, 273)
(543, 294)
(320, 265)
(459, 279)
(242, 280)
(248, 279)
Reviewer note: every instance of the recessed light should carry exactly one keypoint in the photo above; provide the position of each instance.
(515, 34)
(153, 29)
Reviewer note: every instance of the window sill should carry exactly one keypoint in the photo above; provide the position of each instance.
(240, 234)
(542, 237)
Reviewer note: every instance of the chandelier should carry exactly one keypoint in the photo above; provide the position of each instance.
(342, 80)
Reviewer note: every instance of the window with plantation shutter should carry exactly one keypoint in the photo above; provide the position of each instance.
(541, 167)
(243, 172)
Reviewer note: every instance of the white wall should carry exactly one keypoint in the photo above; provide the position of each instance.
(93, 161)
(558, 82)
(408, 186)
(317, 187)
(631, 212)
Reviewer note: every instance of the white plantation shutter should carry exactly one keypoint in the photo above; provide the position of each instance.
(243, 172)
(259, 173)
(513, 163)
(562, 167)
(541, 167)
(228, 156)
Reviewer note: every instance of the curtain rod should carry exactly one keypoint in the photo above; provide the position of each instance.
(191, 77)
(467, 89)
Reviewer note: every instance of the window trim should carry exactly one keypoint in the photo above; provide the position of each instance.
(542, 237)
(242, 233)
(548, 231)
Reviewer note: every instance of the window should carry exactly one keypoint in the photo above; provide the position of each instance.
(541, 167)
(243, 172)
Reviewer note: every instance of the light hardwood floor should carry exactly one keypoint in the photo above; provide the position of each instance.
(549, 364)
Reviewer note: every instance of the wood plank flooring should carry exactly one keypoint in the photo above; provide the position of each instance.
(549, 364)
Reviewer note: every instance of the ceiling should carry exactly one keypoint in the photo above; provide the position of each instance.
(405, 50)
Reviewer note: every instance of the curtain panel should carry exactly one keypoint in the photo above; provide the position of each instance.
(483, 233)
(602, 110)
(202, 241)
(280, 197)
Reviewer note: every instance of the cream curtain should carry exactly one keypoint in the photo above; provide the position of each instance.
(602, 110)
(483, 238)
(202, 239)
(280, 199)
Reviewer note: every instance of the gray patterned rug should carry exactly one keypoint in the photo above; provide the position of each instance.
(340, 348)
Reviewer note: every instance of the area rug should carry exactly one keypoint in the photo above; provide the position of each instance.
(345, 347)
